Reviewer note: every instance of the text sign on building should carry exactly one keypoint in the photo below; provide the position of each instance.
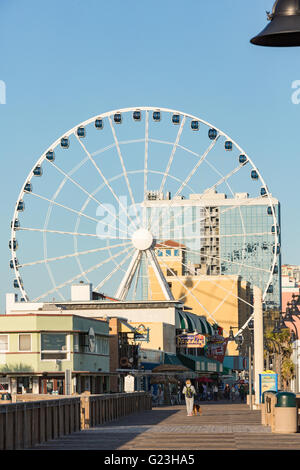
(191, 341)
(141, 333)
(267, 381)
(129, 384)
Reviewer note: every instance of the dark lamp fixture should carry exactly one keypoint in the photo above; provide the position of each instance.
(284, 27)
(231, 335)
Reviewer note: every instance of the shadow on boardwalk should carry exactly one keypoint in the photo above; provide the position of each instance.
(222, 426)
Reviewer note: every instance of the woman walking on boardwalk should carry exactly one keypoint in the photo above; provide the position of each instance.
(189, 392)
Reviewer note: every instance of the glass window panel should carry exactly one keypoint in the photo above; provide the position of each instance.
(3, 342)
(54, 341)
(25, 342)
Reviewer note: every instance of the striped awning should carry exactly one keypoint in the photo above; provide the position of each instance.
(191, 322)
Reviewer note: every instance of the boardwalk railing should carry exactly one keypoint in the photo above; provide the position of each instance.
(27, 423)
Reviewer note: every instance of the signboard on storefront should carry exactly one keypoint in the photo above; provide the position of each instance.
(217, 349)
(141, 333)
(129, 384)
(267, 381)
(191, 341)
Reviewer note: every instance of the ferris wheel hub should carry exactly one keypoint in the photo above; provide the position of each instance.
(142, 239)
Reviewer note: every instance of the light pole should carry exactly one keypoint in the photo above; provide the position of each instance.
(239, 339)
(258, 341)
(251, 328)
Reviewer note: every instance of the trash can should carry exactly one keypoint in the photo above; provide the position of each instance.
(266, 407)
(286, 413)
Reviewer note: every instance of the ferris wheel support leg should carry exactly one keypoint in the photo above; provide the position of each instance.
(258, 342)
(159, 275)
(125, 285)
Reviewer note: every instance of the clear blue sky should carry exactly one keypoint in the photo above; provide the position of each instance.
(65, 61)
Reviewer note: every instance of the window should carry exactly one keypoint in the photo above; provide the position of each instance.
(176, 252)
(102, 345)
(25, 342)
(171, 272)
(54, 346)
(168, 252)
(3, 342)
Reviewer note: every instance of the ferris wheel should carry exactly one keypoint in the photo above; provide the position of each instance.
(105, 202)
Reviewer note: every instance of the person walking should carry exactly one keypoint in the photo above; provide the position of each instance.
(227, 392)
(215, 390)
(204, 391)
(201, 391)
(189, 392)
(232, 393)
(242, 393)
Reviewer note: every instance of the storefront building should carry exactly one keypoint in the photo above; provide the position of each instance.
(57, 354)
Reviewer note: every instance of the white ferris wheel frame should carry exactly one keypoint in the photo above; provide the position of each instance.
(136, 259)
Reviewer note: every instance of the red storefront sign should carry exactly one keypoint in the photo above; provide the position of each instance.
(217, 350)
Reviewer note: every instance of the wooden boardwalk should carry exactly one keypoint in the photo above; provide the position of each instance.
(222, 426)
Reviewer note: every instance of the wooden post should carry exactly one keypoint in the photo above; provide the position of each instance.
(85, 410)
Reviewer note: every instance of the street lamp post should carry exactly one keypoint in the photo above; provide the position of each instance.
(284, 27)
(258, 341)
(250, 327)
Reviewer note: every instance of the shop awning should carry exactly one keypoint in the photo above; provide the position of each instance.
(201, 364)
(172, 359)
(192, 322)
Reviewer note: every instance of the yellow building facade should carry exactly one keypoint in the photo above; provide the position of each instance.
(224, 300)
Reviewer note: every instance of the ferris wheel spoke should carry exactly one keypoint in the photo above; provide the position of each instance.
(72, 255)
(146, 164)
(188, 250)
(171, 158)
(187, 289)
(90, 196)
(102, 176)
(223, 179)
(175, 145)
(203, 218)
(116, 268)
(124, 170)
(207, 278)
(69, 281)
(82, 214)
(148, 277)
(62, 232)
(193, 171)
(203, 235)
(136, 283)
(109, 147)
(200, 161)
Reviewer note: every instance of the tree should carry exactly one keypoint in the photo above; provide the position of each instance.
(279, 344)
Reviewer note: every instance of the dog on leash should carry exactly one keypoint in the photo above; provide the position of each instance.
(197, 409)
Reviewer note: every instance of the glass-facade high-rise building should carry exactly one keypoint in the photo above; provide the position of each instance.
(223, 236)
